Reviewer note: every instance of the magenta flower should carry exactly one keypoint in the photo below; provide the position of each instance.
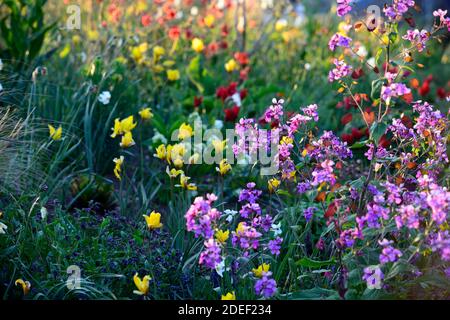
(343, 7)
(338, 40)
(340, 71)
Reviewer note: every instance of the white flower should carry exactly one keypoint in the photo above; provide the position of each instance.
(230, 214)
(3, 228)
(220, 268)
(158, 137)
(1, 87)
(307, 66)
(218, 124)
(1, 65)
(362, 51)
(194, 11)
(44, 213)
(371, 62)
(236, 99)
(104, 97)
(276, 228)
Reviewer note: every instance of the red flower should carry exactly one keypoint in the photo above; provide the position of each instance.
(347, 138)
(224, 30)
(232, 88)
(212, 49)
(384, 141)
(243, 93)
(346, 118)
(408, 98)
(441, 93)
(424, 89)
(146, 20)
(222, 93)
(198, 101)
(231, 114)
(357, 73)
(243, 74)
(242, 58)
(174, 32)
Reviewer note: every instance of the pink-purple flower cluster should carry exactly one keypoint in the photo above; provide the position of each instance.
(418, 38)
(200, 217)
(397, 8)
(394, 90)
(343, 7)
(340, 71)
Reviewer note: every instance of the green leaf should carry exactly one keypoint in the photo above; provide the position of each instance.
(309, 263)
(377, 130)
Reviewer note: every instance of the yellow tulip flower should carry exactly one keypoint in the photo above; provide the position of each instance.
(153, 220)
(261, 268)
(158, 51)
(209, 20)
(229, 296)
(173, 173)
(55, 134)
(224, 167)
(127, 140)
(197, 45)
(173, 75)
(240, 228)
(142, 285)
(26, 285)
(185, 131)
(184, 183)
(219, 145)
(117, 129)
(118, 167)
(222, 236)
(146, 113)
(231, 65)
(160, 152)
(128, 124)
(273, 184)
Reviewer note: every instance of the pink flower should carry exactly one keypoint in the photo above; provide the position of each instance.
(343, 7)
(342, 70)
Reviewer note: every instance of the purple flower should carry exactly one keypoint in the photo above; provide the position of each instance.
(417, 38)
(338, 40)
(250, 194)
(275, 245)
(266, 286)
(340, 71)
(394, 90)
(343, 7)
(311, 111)
(389, 253)
(329, 146)
(308, 213)
(210, 258)
(275, 111)
(409, 216)
(201, 216)
(296, 121)
(438, 199)
(441, 242)
(373, 277)
(302, 187)
(398, 8)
